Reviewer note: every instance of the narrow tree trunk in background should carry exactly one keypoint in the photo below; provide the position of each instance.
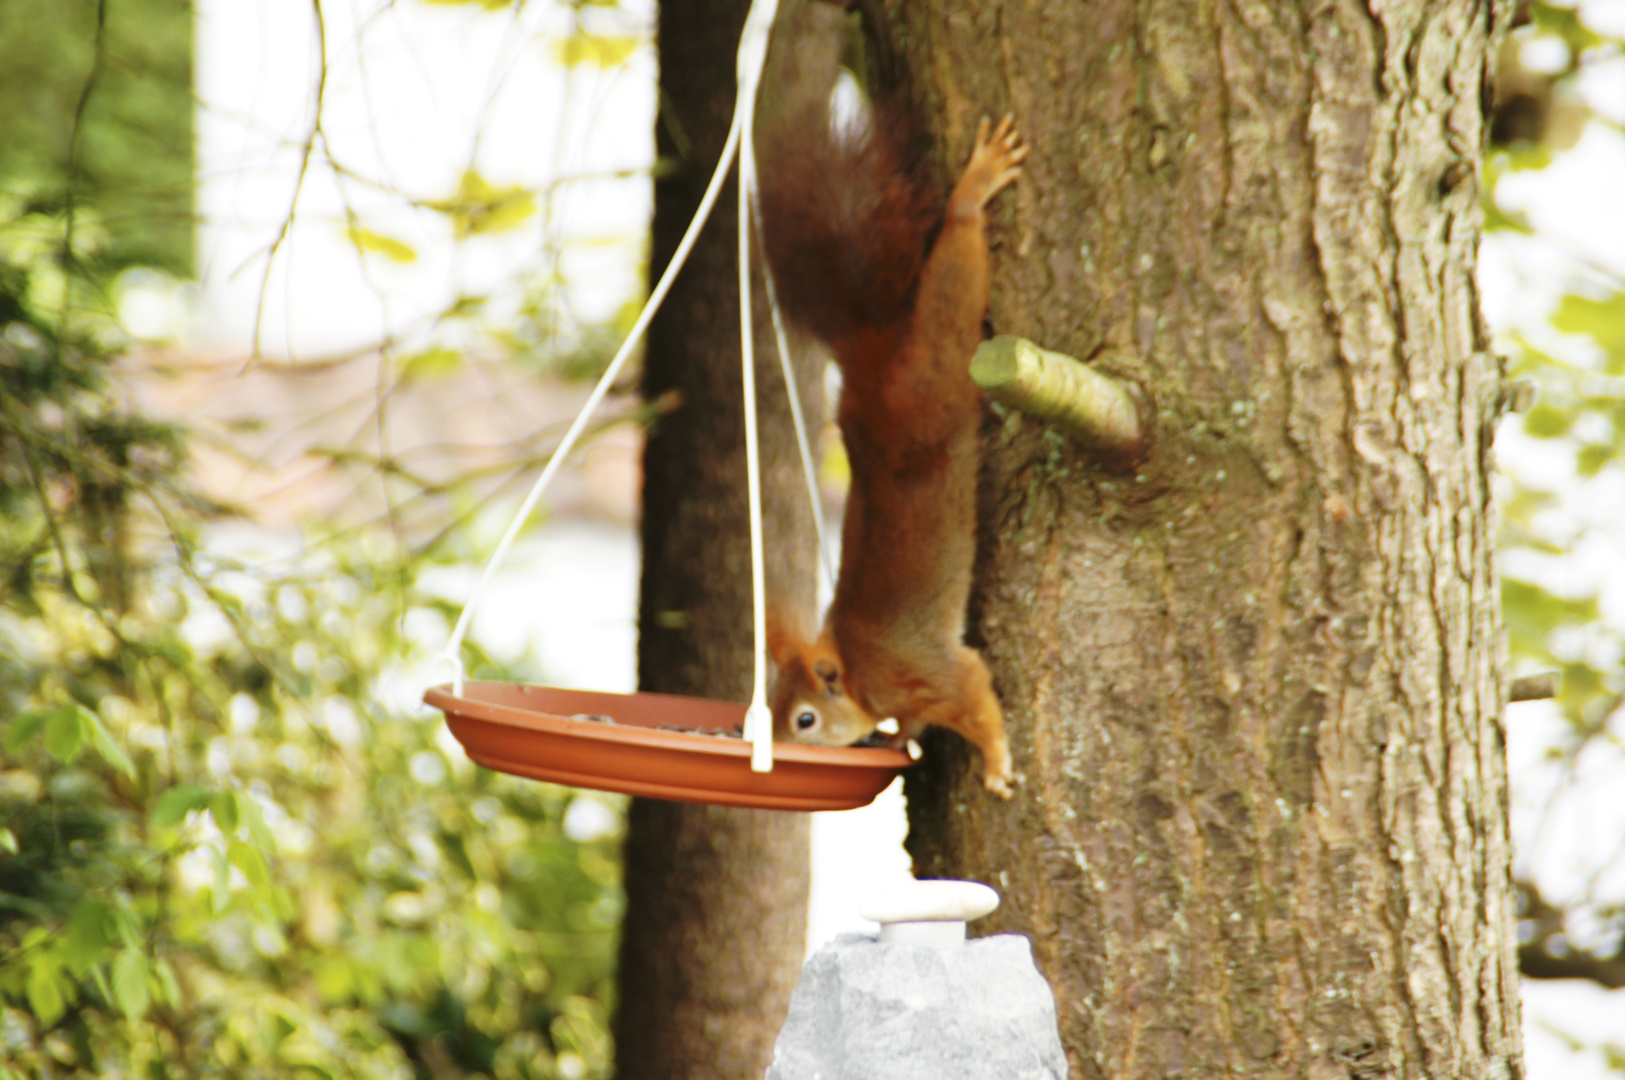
(1255, 684)
(716, 914)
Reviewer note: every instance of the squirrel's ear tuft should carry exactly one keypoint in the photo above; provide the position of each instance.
(828, 670)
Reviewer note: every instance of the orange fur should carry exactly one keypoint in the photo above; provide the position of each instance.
(892, 643)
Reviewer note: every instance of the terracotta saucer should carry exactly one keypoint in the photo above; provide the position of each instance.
(549, 734)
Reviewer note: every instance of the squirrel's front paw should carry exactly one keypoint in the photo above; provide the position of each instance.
(994, 161)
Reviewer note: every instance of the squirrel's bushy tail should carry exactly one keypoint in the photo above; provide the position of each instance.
(845, 210)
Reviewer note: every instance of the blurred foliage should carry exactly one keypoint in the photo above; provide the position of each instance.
(478, 207)
(220, 854)
(127, 160)
(224, 851)
(1539, 113)
(555, 315)
(1555, 612)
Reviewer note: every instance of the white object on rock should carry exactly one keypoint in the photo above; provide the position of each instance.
(872, 1011)
(928, 913)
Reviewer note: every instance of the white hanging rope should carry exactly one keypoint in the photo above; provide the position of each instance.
(758, 718)
(454, 645)
(752, 56)
(808, 470)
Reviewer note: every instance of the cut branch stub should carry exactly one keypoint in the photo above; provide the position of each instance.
(1534, 687)
(1096, 410)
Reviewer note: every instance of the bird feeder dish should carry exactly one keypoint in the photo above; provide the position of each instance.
(625, 743)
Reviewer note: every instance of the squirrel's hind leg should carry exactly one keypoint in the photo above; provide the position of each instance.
(970, 710)
(983, 724)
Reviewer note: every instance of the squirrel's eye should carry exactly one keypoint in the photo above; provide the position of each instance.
(806, 721)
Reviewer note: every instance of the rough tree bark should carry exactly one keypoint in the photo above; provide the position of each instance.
(716, 915)
(1256, 682)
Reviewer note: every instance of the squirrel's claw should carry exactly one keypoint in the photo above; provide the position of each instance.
(1002, 784)
(994, 161)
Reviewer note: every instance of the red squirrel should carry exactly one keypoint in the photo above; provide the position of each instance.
(845, 228)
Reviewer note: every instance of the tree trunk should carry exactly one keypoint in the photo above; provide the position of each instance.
(1255, 683)
(716, 915)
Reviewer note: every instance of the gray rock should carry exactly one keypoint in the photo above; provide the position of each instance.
(867, 1011)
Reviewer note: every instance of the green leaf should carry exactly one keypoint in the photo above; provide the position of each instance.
(226, 812)
(1593, 457)
(335, 981)
(174, 804)
(168, 987)
(44, 992)
(1566, 24)
(1601, 320)
(390, 248)
(456, 849)
(86, 936)
(307, 1058)
(253, 815)
(1528, 157)
(478, 207)
(250, 862)
(98, 975)
(399, 964)
(1527, 360)
(1547, 421)
(602, 52)
(24, 727)
(130, 990)
(1531, 614)
(105, 744)
(127, 925)
(222, 881)
(281, 1028)
(8, 840)
(1499, 220)
(431, 363)
(65, 733)
(464, 307)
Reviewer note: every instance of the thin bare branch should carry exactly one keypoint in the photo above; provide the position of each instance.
(307, 151)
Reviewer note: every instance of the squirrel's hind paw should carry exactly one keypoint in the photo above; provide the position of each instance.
(1002, 784)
